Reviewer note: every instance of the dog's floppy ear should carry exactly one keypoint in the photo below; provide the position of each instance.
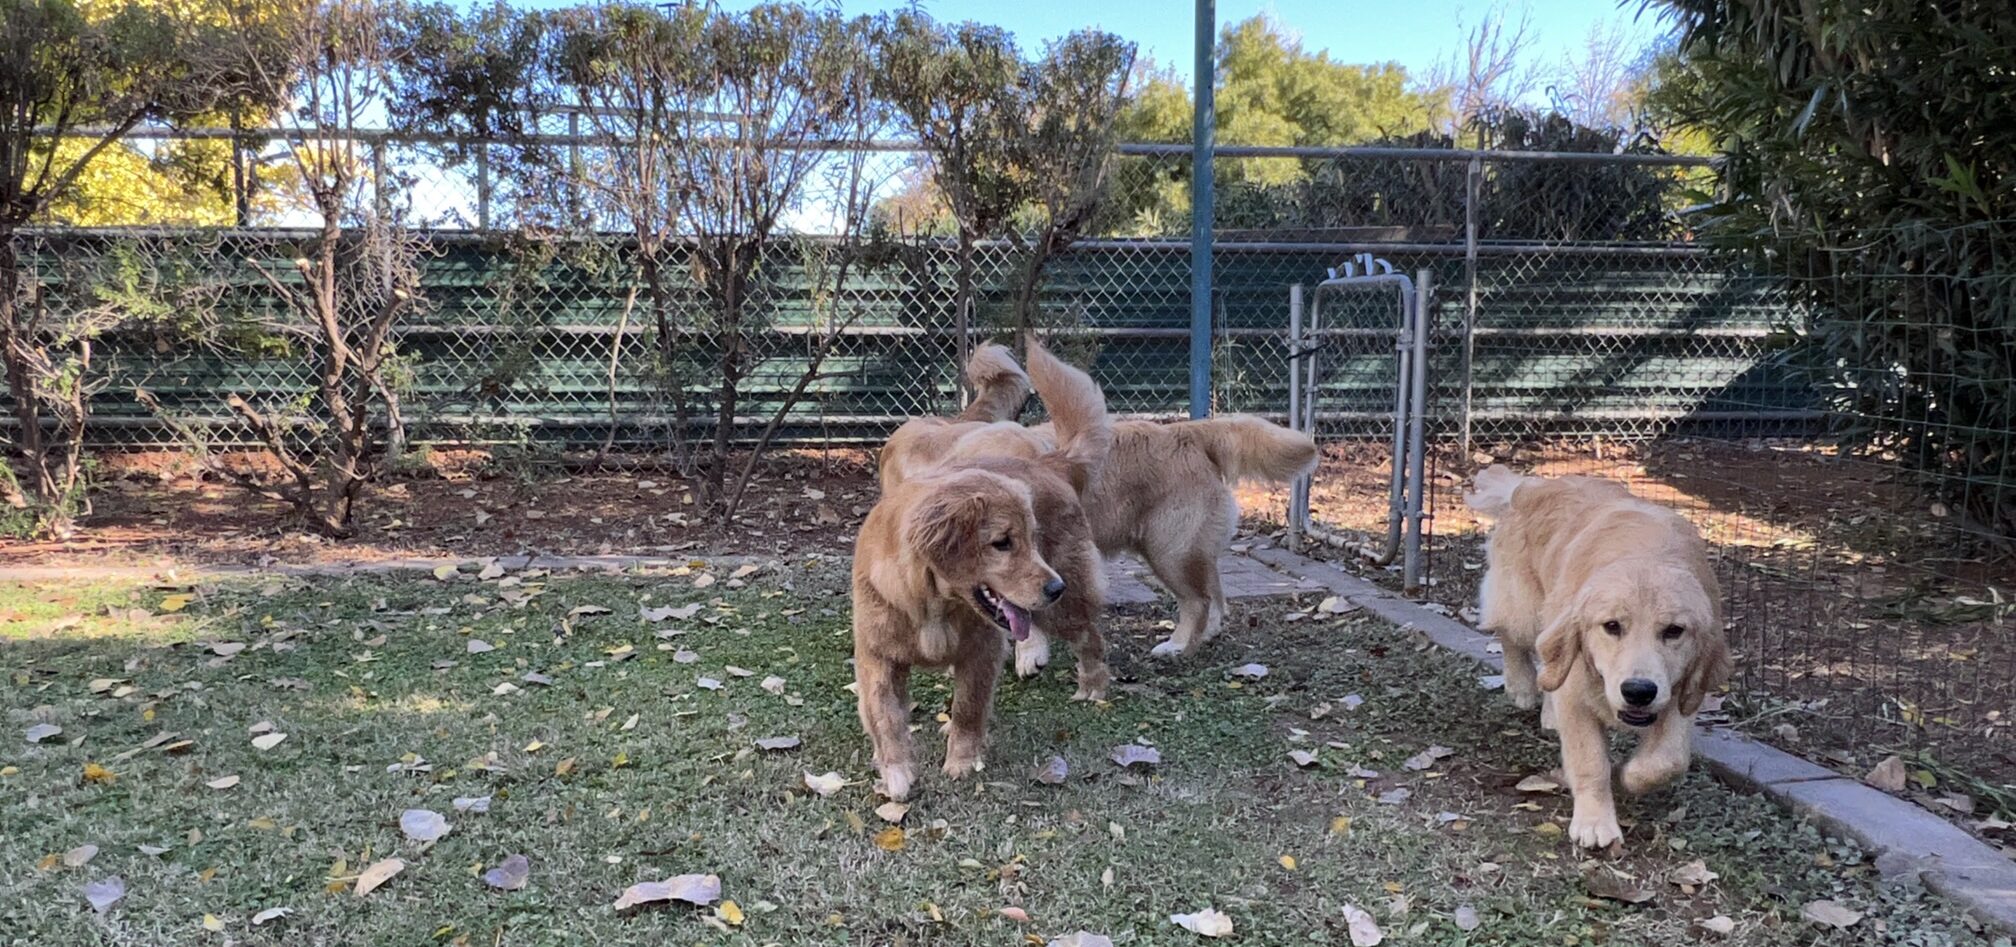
(945, 525)
(1560, 648)
(1710, 670)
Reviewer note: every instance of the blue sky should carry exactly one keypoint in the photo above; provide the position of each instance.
(1414, 33)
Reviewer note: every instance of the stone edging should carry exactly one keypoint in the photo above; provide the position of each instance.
(1904, 838)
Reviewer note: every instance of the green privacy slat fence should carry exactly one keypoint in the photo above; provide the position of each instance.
(511, 345)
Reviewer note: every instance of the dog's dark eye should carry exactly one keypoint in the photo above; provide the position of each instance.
(1005, 543)
(1613, 626)
(1672, 632)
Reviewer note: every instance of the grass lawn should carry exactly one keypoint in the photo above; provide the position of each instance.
(616, 762)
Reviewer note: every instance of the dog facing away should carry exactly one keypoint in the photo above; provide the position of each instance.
(948, 561)
(1618, 600)
(1165, 494)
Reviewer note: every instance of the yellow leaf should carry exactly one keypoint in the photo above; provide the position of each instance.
(263, 824)
(9, 770)
(213, 923)
(94, 773)
(890, 839)
(48, 862)
(1288, 862)
(1393, 887)
(445, 572)
(206, 874)
(622, 759)
(564, 767)
(176, 603)
(534, 746)
(1340, 825)
(147, 713)
(1547, 830)
(731, 912)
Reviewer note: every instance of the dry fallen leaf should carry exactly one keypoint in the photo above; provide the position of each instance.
(1466, 919)
(269, 915)
(778, 743)
(1251, 672)
(42, 731)
(773, 684)
(1693, 874)
(423, 825)
(825, 785)
(1206, 922)
(104, 893)
(1603, 883)
(1081, 939)
(745, 570)
(94, 773)
(680, 613)
(1052, 773)
(1831, 914)
(267, 741)
(510, 874)
(890, 839)
(213, 923)
(80, 856)
(1428, 758)
(892, 811)
(1302, 757)
(1015, 914)
(377, 874)
(1537, 784)
(1889, 775)
(472, 803)
(479, 646)
(709, 683)
(1133, 754)
(177, 602)
(692, 889)
(1364, 931)
(1719, 924)
(225, 782)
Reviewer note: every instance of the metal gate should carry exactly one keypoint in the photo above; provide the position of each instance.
(1358, 378)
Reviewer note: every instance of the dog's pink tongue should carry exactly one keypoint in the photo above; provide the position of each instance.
(1018, 620)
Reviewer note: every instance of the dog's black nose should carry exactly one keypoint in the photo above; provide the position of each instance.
(1053, 590)
(1639, 692)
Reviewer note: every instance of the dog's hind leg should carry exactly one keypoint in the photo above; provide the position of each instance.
(1191, 575)
(973, 677)
(1521, 679)
(883, 697)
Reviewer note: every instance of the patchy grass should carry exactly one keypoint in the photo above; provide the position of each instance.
(597, 803)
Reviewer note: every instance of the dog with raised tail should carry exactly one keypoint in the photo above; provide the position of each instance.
(1165, 494)
(1617, 600)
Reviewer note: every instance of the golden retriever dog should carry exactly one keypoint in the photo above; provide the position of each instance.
(948, 561)
(1617, 598)
(1165, 494)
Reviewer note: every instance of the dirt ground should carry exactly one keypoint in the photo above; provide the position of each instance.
(157, 506)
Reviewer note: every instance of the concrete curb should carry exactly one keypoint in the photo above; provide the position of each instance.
(1904, 838)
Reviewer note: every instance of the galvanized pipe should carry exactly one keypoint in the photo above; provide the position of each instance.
(1299, 490)
(1417, 448)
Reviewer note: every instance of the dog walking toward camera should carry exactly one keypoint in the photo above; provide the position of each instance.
(1616, 598)
(950, 560)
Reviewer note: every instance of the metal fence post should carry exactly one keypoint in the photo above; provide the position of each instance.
(1473, 186)
(1417, 447)
(1299, 490)
(1204, 121)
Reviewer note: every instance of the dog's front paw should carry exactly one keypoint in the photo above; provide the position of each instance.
(1167, 649)
(1641, 776)
(896, 781)
(1031, 654)
(1524, 695)
(1597, 830)
(960, 767)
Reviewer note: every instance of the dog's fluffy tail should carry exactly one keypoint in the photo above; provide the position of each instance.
(999, 385)
(1491, 493)
(1244, 447)
(1077, 409)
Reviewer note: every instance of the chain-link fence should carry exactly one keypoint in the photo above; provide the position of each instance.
(1576, 328)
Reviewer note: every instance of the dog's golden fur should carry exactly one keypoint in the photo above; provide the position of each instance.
(1617, 599)
(1165, 494)
(949, 559)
